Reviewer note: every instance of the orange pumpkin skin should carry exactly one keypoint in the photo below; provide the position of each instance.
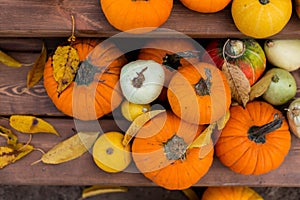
(236, 147)
(230, 192)
(92, 101)
(197, 98)
(165, 51)
(150, 153)
(206, 6)
(142, 15)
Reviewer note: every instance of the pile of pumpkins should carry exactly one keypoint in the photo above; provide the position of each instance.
(255, 139)
(254, 18)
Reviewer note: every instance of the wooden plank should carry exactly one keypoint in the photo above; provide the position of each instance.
(52, 19)
(83, 171)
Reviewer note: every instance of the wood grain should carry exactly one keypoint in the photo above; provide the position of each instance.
(52, 19)
(83, 171)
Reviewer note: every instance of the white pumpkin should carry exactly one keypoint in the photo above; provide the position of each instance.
(142, 81)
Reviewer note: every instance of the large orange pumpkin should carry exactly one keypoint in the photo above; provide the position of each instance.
(230, 192)
(199, 93)
(144, 15)
(255, 140)
(206, 6)
(160, 152)
(95, 90)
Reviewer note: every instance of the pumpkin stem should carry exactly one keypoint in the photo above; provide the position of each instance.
(203, 87)
(138, 81)
(86, 73)
(258, 133)
(172, 61)
(72, 38)
(234, 48)
(175, 148)
(264, 2)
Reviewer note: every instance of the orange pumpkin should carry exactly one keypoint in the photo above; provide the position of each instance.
(95, 90)
(160, 152)
(144, 15)
(173, 53)
(255, 140)
(297, 7)
(230, 192)
(199, 93)
(206, 6)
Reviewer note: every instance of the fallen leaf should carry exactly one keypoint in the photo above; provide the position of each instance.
(31, 124)
(261, 86)
(98, 189)
(37, 70)
(7, 156)
(8, 60)
(71, 148)
(204, 150)
(65, 63)
(205, 137)
(11, 138)
(238, 82)
(222, 122)
(190, 194)
(138, 123)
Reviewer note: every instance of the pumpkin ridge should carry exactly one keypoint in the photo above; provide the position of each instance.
(241, 155)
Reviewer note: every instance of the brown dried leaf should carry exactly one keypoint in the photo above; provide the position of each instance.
(261, 86)
(190, 194)
(65, 64)
(71, 148)
(31, 124)
(36, 72)
(205, 137)
(239, 84)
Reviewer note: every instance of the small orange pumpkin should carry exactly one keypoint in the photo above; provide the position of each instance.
(255, 140)
(160, 152)
(95, 90)
(199, 93)
(230, 192)
(143, 15)
(206, 6)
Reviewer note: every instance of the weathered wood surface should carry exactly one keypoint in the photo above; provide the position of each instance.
(15, 98)
(38, 18)
(83, 171)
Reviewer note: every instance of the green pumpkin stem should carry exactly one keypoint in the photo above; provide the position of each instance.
(258, 133)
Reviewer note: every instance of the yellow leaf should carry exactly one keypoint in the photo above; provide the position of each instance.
(65, 64)
(261, 86)
(7, 156)
(206, 149)
(222, 122)
(190, 194)
(98, 189)
(37, 70)
(11, 138)
(71, 148)
(205, 137)
(31, 124)
(8, 60)
(22, 150)
(138, 123)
